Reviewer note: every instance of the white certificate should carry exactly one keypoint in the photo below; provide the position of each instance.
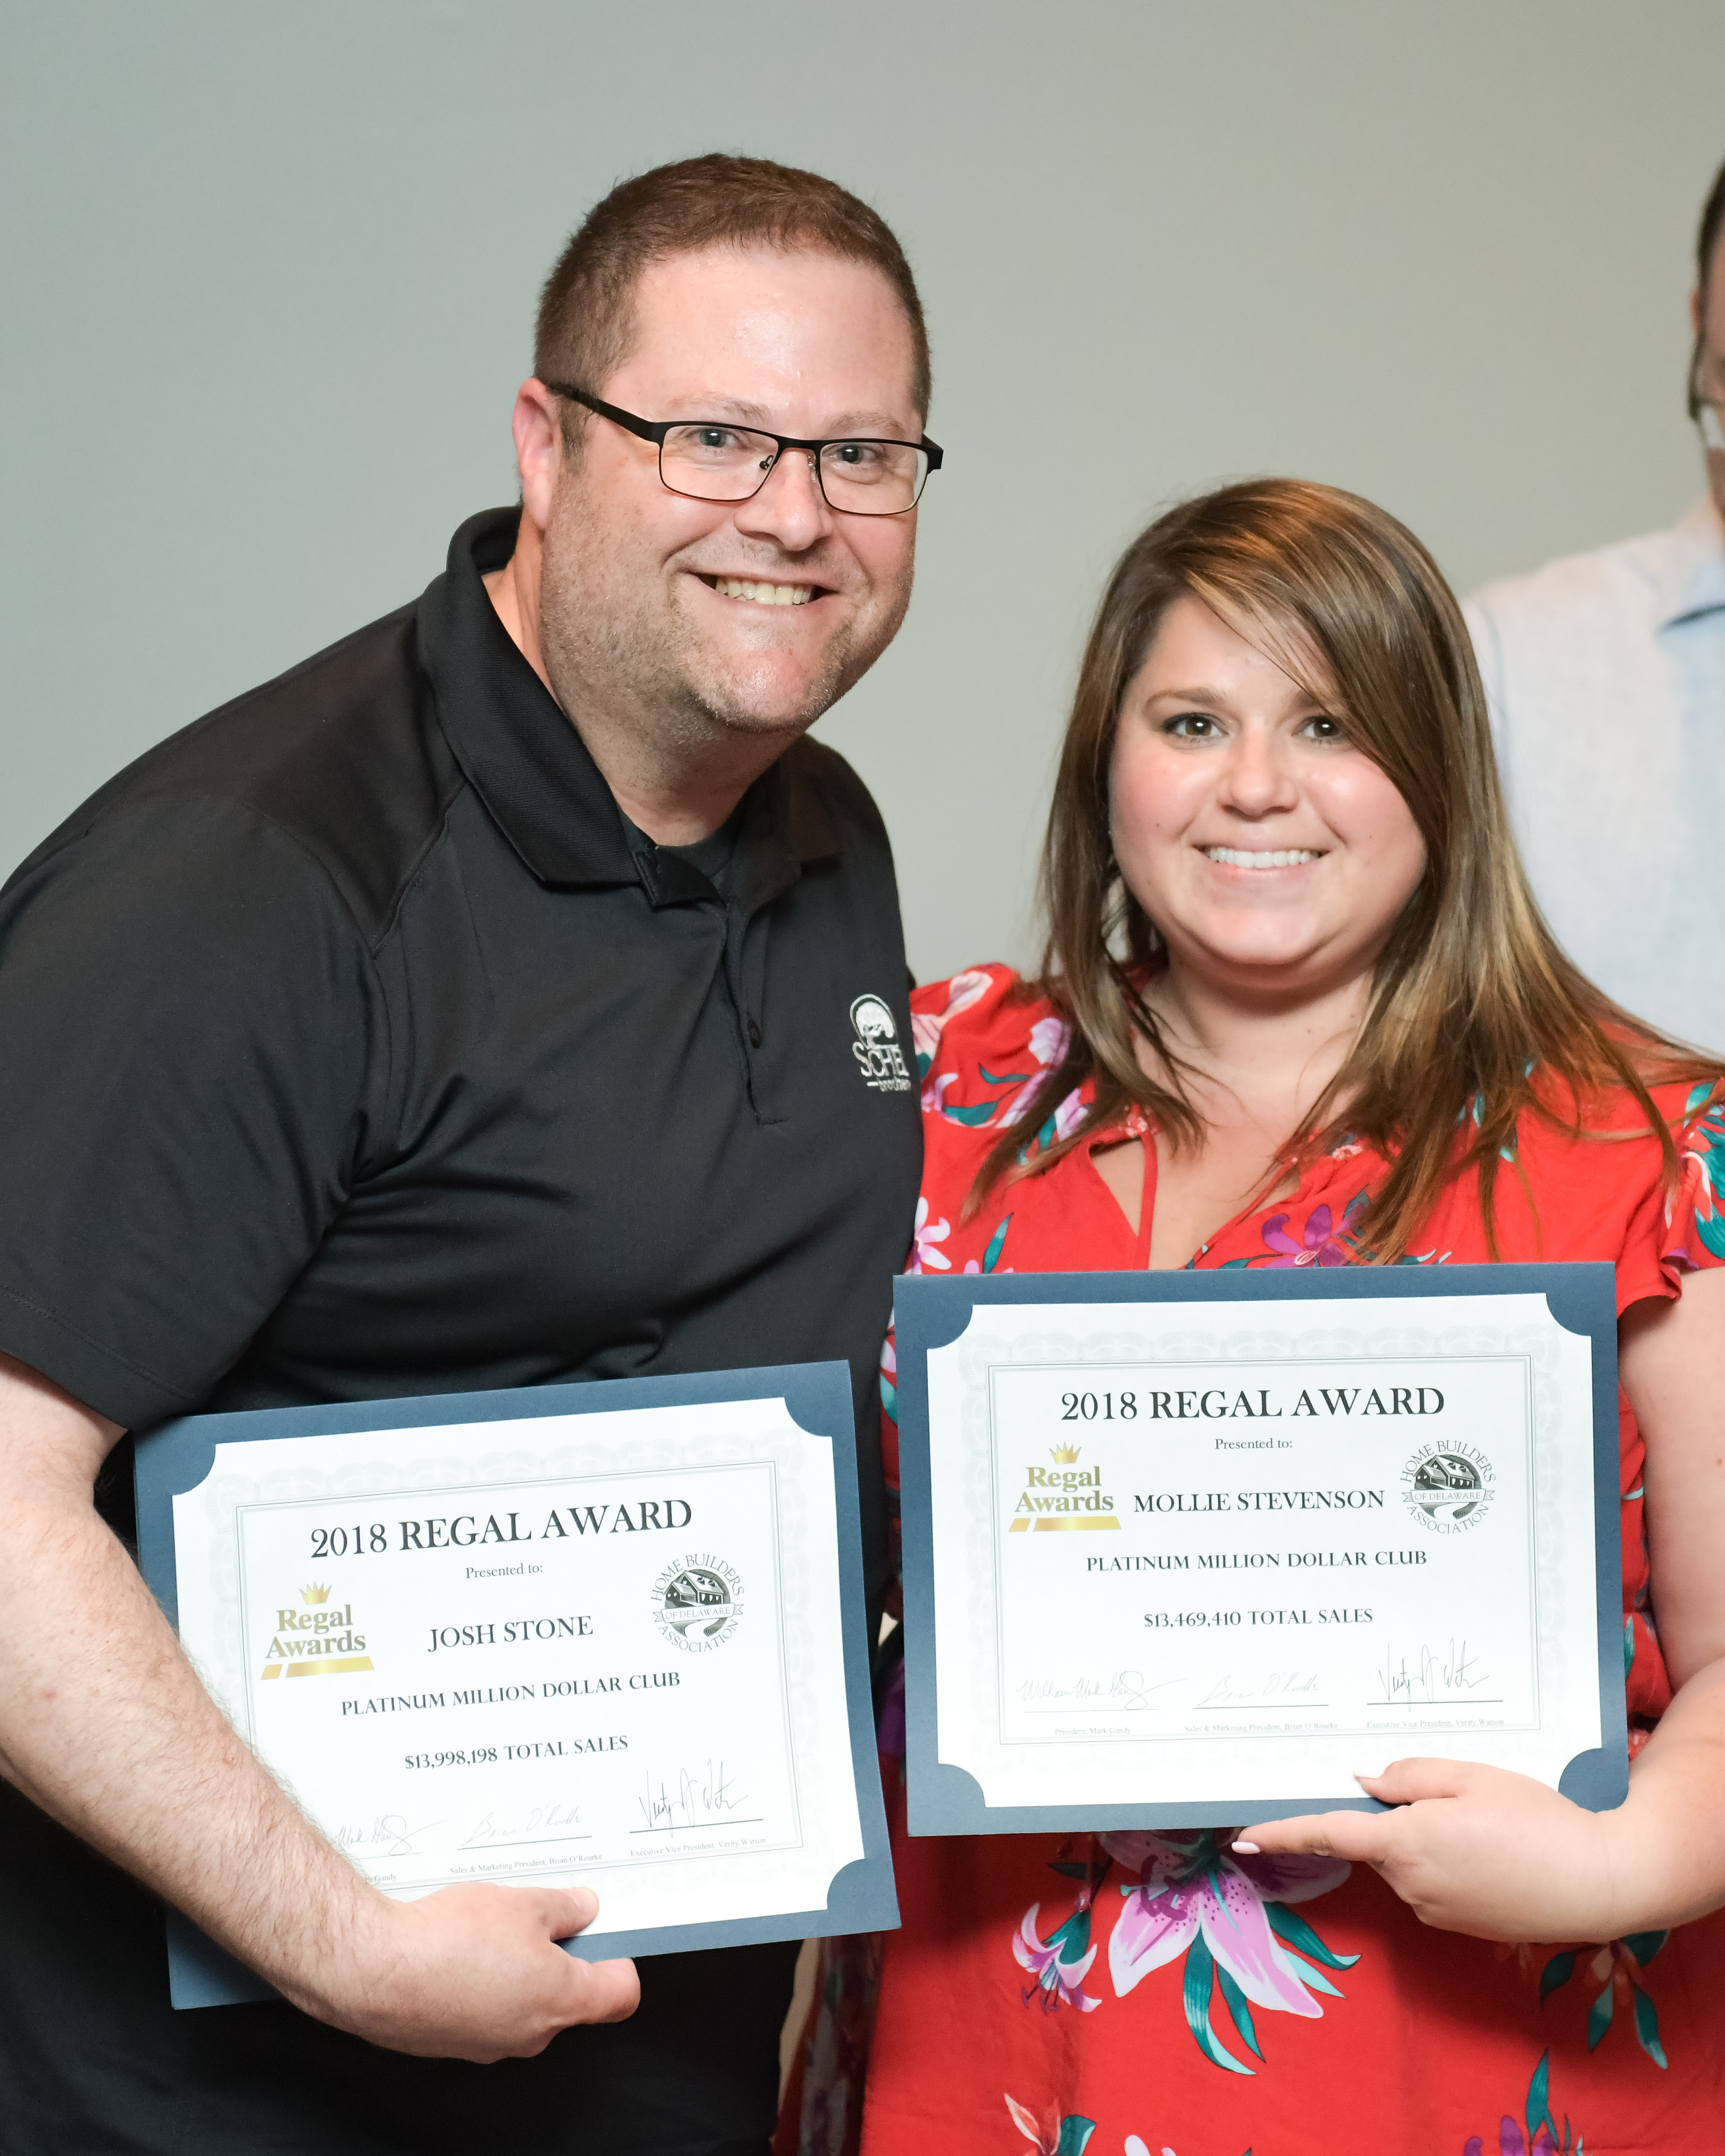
(1197, 1560)
(606, 1645)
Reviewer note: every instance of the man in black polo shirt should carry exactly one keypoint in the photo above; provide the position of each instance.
(508, 994)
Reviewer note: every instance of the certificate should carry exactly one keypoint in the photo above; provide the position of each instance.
(1188, 1548)
(611, 1634)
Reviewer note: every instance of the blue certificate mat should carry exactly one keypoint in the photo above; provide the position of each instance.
(611, 1634)
(1188, 1548)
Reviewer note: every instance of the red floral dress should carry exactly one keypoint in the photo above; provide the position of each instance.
(1154, 1995)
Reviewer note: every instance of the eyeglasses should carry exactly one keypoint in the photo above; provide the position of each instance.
(715, 460)
(1706, 411)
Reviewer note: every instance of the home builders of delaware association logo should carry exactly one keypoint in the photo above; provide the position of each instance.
(316, 1641)
(1065, 1496)
(1450, 1490)
(697, 1602)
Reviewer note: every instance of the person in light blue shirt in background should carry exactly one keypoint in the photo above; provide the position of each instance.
(1605, 674)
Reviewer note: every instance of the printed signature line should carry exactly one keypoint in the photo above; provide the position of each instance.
(532, 1841)
(698, 1826)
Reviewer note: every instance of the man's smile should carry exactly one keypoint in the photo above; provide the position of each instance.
(762, 592)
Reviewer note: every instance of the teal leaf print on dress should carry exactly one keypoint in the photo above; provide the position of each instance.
(1647, 2027)
(1599, 2016)
(991, 1256)
(1614, 1968)
(1538, 2112)
(1200, 1969)
(1297, 1932)
(1703, 1165)
(975, 1118)
(1242, 2012)
(1540, 2137)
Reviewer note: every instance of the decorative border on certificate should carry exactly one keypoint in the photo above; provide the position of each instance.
(738, 1492)
(1214, 1632)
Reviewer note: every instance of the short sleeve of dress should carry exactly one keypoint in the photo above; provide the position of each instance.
(984, 1046)
(1681, 1230)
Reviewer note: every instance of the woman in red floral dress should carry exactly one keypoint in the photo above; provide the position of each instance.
(1300, 1010)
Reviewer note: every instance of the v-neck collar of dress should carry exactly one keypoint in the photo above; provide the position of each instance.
(1134, 1123)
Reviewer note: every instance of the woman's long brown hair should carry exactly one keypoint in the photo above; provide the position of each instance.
(1470, 997)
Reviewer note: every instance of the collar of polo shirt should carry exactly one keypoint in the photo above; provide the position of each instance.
(527, 761)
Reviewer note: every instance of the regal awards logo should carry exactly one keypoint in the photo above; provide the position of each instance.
(316, 1641)
(1448, 1489)
(1068, 1497)
(697, 1603)
(878, 1054)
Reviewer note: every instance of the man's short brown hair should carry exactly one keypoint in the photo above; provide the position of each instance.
(584, 311)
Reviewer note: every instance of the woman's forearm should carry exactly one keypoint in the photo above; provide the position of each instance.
(1666, 1853)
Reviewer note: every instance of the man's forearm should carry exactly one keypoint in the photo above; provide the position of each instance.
(104, 1725)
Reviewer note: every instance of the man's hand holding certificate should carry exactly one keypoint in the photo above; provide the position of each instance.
(595, 1638)
(1184, 1554)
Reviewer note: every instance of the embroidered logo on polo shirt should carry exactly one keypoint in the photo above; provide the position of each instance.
(878, 1054)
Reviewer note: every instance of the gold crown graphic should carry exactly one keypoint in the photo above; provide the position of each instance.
(1065, 1454)
(313, 1594)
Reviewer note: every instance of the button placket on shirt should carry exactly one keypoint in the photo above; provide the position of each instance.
(669, 881)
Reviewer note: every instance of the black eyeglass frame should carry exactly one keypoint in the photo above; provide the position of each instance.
(1708, 412)
(655, 430)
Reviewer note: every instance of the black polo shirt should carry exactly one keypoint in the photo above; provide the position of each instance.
(354, 1045)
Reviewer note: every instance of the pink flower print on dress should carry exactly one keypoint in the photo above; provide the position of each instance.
(927, 1027)
(1054, 2136)
(1058, 1979)
(1071, 1113)
(1059, 1964)
(1049, 1039)
(927, 1237)
(1323, 1243)
(1227, 1912)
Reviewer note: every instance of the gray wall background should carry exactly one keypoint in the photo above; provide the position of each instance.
(269, 276)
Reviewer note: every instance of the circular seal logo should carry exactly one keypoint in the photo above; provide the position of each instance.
(697, 1602)
(1448, 1489)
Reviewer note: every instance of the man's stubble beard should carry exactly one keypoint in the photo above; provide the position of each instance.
(634, 650)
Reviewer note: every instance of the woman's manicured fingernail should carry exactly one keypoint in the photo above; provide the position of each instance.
(1246, 1849)
(1369, 1774)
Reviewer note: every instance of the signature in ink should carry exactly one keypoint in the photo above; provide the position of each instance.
(693, 1800)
